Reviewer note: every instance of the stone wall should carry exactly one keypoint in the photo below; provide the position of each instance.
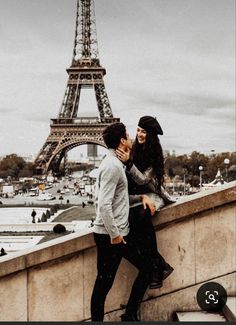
(54, 280)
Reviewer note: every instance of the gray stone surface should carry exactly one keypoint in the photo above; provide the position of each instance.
(55, 291)
(176, 245)
(196, 203)
(13, 297)
(163, 307)
(214, 238)
(90, 271)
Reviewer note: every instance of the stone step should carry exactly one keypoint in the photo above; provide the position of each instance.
(229, 309)
(199, 316)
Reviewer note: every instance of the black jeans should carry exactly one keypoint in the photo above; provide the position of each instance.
(142, 229)
(108, 260)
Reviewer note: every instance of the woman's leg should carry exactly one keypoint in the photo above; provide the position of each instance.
(142, 229)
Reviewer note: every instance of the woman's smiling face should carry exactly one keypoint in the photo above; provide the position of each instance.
(141, 135)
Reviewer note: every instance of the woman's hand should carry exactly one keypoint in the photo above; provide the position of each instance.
(148, 202)
(123, 155)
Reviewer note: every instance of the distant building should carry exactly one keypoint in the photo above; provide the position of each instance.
(92, 150)
(29, 158)
(7, 191)
(218, 181)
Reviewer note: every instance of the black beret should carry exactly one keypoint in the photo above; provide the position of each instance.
(150, 124)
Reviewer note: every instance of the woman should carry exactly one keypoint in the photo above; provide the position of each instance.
(145, 171)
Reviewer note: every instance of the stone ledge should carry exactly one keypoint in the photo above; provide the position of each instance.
(57, 248)
(195, 203)
(77, 242)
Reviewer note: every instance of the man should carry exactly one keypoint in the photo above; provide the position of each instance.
(111, 228)
(33, 214)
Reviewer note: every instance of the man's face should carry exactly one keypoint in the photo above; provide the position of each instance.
(128, 142)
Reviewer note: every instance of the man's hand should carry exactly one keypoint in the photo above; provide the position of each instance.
(148, 202)
(123, 155)
(118, 240)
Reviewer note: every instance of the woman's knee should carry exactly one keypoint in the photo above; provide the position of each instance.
(105, 280)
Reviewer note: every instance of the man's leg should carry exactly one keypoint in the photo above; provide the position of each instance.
(140, 285)
(108, 260)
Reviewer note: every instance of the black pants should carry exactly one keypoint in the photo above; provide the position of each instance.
(142, 229)
(108, 260)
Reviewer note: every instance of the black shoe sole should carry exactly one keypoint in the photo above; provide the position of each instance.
(155, 285)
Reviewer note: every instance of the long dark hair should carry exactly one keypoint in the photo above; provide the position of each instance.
(149, 154)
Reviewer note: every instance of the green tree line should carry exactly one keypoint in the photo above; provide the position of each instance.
(188, 166)
(183, 166)
(15, 166)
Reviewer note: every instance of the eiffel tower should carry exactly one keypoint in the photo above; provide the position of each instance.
(68, 130)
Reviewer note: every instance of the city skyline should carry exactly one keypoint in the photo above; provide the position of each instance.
(172, 60)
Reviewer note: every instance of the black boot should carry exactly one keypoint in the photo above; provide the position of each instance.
(156, 281)
(167, 270)
(158, 277)
(129, 317)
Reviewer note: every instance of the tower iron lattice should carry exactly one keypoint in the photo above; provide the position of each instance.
(68, 131)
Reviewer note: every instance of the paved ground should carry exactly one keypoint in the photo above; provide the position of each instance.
(76, 213)
(22, 215)
(27, 200)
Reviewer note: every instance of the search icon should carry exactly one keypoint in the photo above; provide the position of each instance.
(211, 297)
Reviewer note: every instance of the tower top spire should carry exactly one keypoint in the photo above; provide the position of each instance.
(85, 44)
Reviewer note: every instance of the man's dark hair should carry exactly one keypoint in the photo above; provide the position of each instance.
(113, 134)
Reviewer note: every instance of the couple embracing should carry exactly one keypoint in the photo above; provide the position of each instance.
(129, 192)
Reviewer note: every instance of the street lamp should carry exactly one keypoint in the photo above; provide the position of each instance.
(184, 184)
(185, 172)
(200, 170)
(213, 152)
(226, 162)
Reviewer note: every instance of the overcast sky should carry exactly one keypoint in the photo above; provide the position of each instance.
(173, 59)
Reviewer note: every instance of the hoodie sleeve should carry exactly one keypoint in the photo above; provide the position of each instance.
(107, 187)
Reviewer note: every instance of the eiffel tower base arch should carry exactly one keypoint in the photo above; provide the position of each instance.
(65, 136)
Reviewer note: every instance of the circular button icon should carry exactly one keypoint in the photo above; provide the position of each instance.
(212, 297)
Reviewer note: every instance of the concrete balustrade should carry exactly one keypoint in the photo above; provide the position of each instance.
(53, 281)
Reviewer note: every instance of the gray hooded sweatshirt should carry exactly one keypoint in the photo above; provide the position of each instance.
(112, 198)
